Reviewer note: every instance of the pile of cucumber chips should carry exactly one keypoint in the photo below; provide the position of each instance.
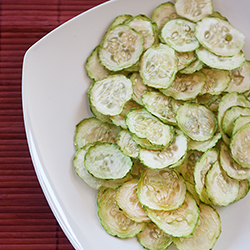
(169, 139)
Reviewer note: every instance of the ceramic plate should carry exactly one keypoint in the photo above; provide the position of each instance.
(55, 100)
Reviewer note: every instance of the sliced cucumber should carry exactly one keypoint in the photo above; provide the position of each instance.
(230, 116)
(159, 105)
(163, 13)
(203, 146)
(186, 87)
(240, 79)
(93, 67)
(121, 48)
(92, 130)
(243, 190)
(192, 191)
(232, 169)
(217, 81)
(106, 161)
(185, 59)
(139, 87)
(219, 37)
(200, 171)
(177, 223)
(120, 20)
(127, 145)
(194, 10)
(110, 94)
(145, 26)
(206, 233)
(179, 34)
(82, 172)
(193, 67)
(162, 189)
(240, 122)
(119, 120)
(127, 200)
(221, 189)
(220, 62)
(113, 220)
(196, 121)
(146, 126)
(240, 145)
(165, 158)
(158, 66)
(187, 168)
(153, 238)
(145, 143)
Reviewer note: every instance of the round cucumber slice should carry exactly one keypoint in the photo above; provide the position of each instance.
(127, 200)
(165, 158)
(200, 171)
(113, 220)
(187, 168)
(193, 67)
(120, 20)
(194, 10)
(127, 145)
(221, 189)
(177, 223)
(159, 105)
(203, 146)
(110, 94)
(217, 81)
(92, 130)
(162, 189)
(243, 190)
(220, 62)
(119, 120)
(139, 88)
(196, 121)
(158, 66)
(121, 48)
(153, 238)
(145, 26)
(240, 79)
(106, 161)
(93, 67)
(179, 34)
(185, 59)
(163, 13)
(206, 233)
(186, 86)
(219, 37)
(232, 169)
(240, 146)
(146, 126)
(82, 172)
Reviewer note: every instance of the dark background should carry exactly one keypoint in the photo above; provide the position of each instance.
(26, 220)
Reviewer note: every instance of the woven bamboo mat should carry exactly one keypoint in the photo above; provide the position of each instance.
(26, 221)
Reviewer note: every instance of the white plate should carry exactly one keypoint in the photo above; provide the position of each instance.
(54, 101)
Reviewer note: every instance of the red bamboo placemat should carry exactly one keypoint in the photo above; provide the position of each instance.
(26, 220)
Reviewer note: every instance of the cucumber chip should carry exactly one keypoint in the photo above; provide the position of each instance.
(106, 161)
(120, 48)
(158, 66)
(179, 34)
(153, 238)
(113, 220)
(162, 189)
